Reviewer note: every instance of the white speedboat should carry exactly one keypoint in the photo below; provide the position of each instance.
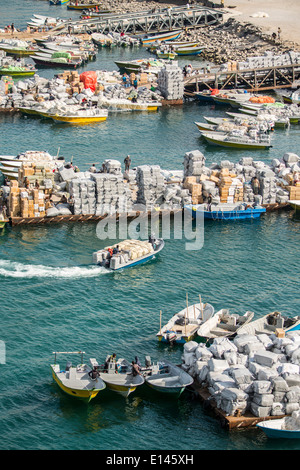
(128, 253)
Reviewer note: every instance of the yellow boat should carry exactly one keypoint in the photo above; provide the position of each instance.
(80, 118)
(76, 381)
(118, 377)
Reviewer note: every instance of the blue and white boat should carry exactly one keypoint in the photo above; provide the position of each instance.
(269, 323)
(128, 253)
(282, 428)
(238, 211)
(167, 378)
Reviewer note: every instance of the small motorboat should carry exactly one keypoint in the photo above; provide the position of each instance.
(80, 117)
(119, 377)
(225, 211)
(183, 326)
(223, 324)
(168, 36)
(165, 377)
(282, 428)
(128, 253)
(234, 140)
(269, 323)
(77, 381)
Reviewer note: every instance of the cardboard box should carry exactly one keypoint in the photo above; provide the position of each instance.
(279, 332)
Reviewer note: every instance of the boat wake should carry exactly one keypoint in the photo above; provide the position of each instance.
(19, 270)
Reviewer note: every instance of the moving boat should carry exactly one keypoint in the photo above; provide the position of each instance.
(234, 140)
(226, 211)
(165, 377)
(269, 323)
(76, 381)
(183, 326)
(223, 324)
(170, 35)
(282, 428)
(118, 376)
(128, 253)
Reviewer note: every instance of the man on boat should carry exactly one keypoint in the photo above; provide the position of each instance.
(209, 201)
(135, 369)
(94, 374)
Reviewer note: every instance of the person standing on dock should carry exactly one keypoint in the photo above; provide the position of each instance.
(127, 162)
(279, 33)
(255, 185)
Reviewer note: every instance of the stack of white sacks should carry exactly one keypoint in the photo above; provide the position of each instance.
(256, 373)
(193, 163)
(153, 190)
(170, 81)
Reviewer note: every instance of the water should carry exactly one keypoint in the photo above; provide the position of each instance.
(53, 299)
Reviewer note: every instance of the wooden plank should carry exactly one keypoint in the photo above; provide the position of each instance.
(230, 422)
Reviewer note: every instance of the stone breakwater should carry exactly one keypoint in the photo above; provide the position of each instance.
(236, 41)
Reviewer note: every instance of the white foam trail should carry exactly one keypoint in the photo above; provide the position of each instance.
(19, 270)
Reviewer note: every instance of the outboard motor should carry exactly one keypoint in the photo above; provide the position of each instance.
(68, 366)
(147, 361)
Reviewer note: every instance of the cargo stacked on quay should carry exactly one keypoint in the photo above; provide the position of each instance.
(64, 190)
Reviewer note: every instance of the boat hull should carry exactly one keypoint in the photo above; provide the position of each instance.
(174, 391)
(162, 37)
(178, 340)
(17, 74)
(237, 145)
(276, 432)
(77, 119)
(250, 213)
(84, 6)
(121, 389)
(85, 395)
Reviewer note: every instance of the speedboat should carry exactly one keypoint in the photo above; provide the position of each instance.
(128, 253)
(119, 378)
(76, 381)
(183, 326)
(165, 377)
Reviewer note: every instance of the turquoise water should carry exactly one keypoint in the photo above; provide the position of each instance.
(53, 299)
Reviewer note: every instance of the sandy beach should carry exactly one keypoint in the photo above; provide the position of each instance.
(283, 14)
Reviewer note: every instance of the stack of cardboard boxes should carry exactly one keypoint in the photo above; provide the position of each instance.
(27, 202)
(73, 80)
(194, 188)
(294, 192)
